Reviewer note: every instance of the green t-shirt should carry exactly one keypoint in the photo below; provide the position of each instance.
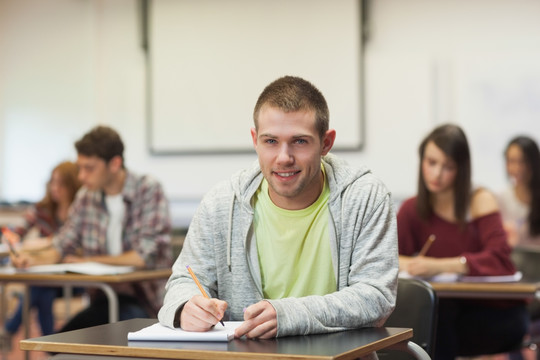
(293, 247)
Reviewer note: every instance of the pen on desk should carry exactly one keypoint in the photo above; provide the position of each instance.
(6, 232)
(427, 245)
(200, 286)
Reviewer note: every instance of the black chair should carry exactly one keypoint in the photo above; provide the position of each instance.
(416, 308)
(528, 262)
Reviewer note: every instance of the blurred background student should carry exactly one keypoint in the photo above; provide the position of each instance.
(520, 202)
(470, 239)
(520, 209)
(46, 217)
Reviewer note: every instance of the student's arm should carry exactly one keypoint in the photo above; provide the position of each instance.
(129, 258)
(25, 259)
(430, 266)
(152, 240)
(493, 258)
(180, 302)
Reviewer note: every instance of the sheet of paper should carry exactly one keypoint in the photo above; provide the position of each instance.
(442, 277)
(158, 332)
(453, 277)
(501, 278)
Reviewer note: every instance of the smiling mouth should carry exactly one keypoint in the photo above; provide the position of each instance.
(286, 174)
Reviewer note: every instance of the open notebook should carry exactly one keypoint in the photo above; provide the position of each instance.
(87, 268)
(158, 332)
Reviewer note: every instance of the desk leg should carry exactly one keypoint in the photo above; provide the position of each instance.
(411, 348)
(26, 316)
(113, 301)
(3, 310)
(68, 295)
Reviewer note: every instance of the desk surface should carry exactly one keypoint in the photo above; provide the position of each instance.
(140, 275)
(510, 290)
(111, 340)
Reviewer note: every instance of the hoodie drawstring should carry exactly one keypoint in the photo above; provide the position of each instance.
(229, 233)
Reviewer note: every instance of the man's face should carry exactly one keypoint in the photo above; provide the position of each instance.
(289, 151)
(94, 172)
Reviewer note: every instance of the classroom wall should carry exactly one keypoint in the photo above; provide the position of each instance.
(68, 65)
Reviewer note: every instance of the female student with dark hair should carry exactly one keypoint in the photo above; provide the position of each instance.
(470, 239)
(47, 216)
(520, 202)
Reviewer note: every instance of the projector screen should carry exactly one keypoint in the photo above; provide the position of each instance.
(210, 59)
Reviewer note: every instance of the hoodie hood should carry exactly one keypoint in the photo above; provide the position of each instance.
(338, 173)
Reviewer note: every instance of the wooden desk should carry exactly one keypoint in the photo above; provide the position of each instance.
(111, 340)
(510, 290)
(103, 282)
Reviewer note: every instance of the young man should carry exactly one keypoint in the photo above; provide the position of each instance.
(300, 243)
(117, 218)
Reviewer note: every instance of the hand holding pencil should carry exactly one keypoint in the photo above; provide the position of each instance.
(192, 309)
(10, 238)
(427, 245)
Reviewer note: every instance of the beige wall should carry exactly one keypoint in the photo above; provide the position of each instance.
(66, 65)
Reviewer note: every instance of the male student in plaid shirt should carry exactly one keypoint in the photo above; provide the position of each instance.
(117, 218)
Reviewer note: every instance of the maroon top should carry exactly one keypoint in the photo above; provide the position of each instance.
(482, 242)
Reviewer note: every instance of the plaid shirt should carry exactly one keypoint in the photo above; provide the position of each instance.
(146, 229)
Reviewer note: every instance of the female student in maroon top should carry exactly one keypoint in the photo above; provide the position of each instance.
(469, 239)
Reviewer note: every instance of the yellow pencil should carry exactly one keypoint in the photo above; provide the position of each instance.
(427, 245)
(6, 235)
(200, 286)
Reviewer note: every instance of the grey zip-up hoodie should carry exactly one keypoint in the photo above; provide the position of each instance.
(221, 249)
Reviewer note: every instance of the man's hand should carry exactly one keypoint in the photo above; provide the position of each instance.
(201, 314)
(260, 321)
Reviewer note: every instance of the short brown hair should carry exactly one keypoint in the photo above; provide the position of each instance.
(101, 141)
(290, 93)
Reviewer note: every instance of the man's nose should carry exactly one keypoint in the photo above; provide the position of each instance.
(285, 155)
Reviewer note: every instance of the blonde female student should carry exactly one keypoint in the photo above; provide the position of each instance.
(470, 240)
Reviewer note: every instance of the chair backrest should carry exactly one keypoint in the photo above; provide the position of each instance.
(416, 308)
(528, 262)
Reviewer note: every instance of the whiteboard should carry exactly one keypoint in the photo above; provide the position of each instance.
(497, 98)
(210, 59)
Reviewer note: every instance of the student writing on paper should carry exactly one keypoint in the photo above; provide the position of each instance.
(117, 218)
(470, 239)
(298, 243)
(47, 217)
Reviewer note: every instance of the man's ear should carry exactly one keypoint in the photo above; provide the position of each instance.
(254, 137)
(116, 163)
(328, 141)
